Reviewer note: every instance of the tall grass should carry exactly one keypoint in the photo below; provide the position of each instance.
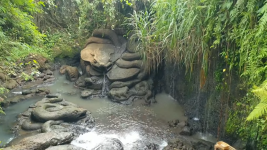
(173, 30)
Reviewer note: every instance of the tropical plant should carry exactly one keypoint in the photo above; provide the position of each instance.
(261, 107)
(190, 32)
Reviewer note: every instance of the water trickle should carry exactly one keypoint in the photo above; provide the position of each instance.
(105, 85)
(196, 118)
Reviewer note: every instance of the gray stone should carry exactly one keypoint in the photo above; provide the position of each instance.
(131, 56)
(122, 74)
(42, 141)
(110, 144)
(98, 54)
(10, 84)
(86, 93)
(65, 147)
(119, 94)
(186, 131)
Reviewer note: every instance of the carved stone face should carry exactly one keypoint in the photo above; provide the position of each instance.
(98, 55)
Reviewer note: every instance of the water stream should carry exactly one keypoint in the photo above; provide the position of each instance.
(8, 120)
(129, 123)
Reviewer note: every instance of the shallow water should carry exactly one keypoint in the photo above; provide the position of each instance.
(8, 120)
(150, 123)
(128, 123)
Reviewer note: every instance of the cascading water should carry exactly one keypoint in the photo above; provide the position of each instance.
(105, 88)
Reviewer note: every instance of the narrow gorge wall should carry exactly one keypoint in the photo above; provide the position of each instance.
(207, 98)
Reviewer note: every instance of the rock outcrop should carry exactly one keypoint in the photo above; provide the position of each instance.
(42, 141)
(113, 65)
(71, 73)
(55, 114)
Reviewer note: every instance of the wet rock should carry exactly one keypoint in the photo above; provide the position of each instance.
(72, 73)
(186, 131)
(62, 69)
(182, 124)
(142, 145)
(119, 84)
(122, 74)
(48, 126)
(131, 56)
(178, 145)
(29, 125)
(97, 40)
(10, 84)
(203, 145)
(86, 93)
(109, 34)
(42, 141)
(98, 55)
(26, 92)
(129, 64)
(49, 72)
(94, 82)
(2, 76)
(64, 110)
(110, 144)
(119, 94)
(80, 82)
(173, 123)
(54, 100)
(49, 80)
(92, 72)
(65, 147)
(52, 96)
(43, 90)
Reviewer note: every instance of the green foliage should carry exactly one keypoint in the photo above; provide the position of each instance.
(188, 32)
(97, 14)
(261, 107)
(250, 131)
(17, 20)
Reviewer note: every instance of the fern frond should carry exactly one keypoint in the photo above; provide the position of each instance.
(263, 20)
(258, 111)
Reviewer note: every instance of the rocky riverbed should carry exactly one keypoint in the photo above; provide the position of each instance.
(105, 101)
(97, 122)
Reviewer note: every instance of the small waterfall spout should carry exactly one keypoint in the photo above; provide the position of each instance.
(105, 88)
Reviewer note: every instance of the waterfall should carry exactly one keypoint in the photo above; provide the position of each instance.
(104, 85)
(196, 118)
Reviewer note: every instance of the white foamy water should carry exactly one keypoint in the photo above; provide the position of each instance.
(92, 140)
(18, 93)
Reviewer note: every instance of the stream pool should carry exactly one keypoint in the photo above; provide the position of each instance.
(129, 123)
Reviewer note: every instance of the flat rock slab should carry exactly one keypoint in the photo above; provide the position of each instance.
(65, 147)
(122, 74)
(42, 141)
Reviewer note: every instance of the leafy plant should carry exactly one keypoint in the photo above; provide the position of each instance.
(261, 107)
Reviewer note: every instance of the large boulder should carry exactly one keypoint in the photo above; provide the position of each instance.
(10, 84)
(56, 109)
(94, 82)
(122, 74)
(65, 147)
(131, 56)
(72, 73)
(42, 141)
(98, 54)
(109, 34)
(97, 40)
(110, 144)
(119, 94)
